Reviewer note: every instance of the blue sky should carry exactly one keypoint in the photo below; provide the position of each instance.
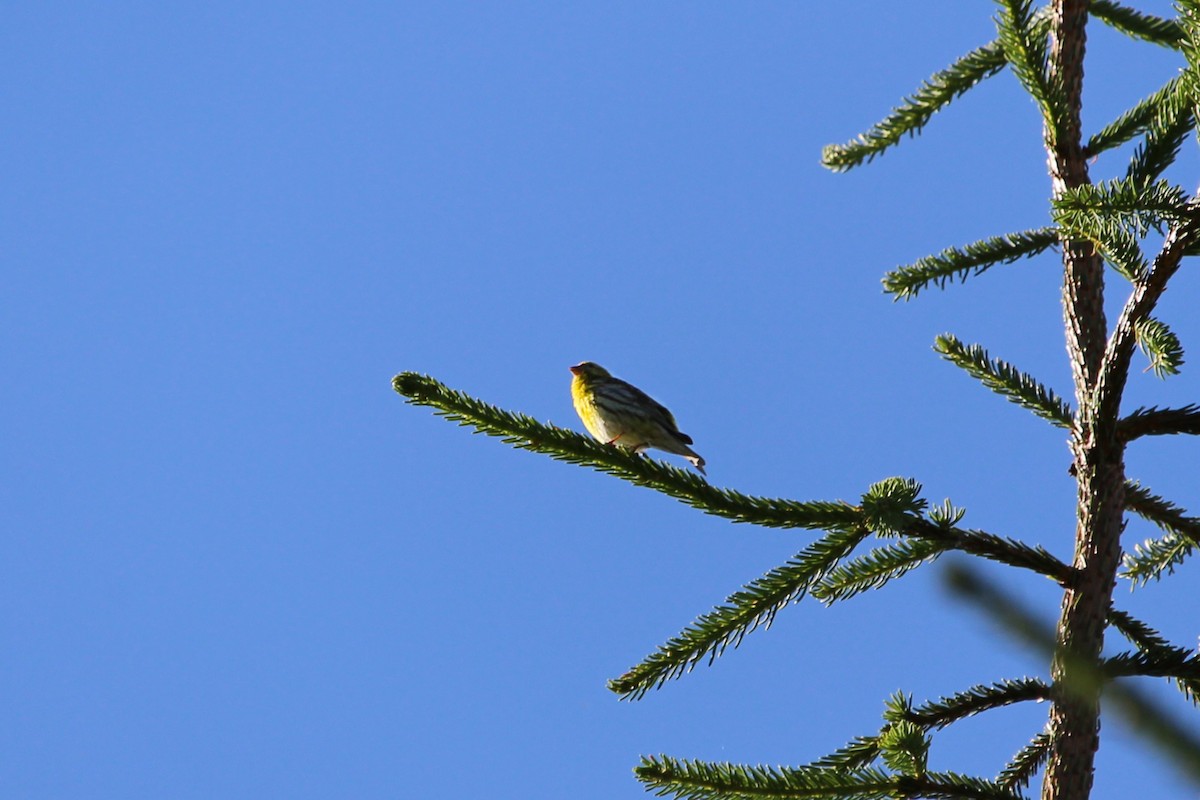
(237, 565)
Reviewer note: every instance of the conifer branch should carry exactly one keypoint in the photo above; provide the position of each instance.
(904, 748)
(1158, 662)
(1161, 346)
(1087, 211)
(1154, 645)
(904, 283)
(860, 752)
(700, 780)
(1181, 744)
(977, 699)
(754, 606)
(890, 507)
(1025, 47)
(1134, 122)
(874, 569)
(1114, 368)
(527, 433)
(1156, 421)
(1025, 764)
(1119, 247)
(1139, 25)
(1154, 557)
(1165, 203)
(1114, 215)
(1005, 379)
(1163, 513)
(1139, 634)
(912, 115)
(1168, 127)
(995, 548)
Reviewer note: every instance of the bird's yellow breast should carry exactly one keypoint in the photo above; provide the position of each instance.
(585, 406)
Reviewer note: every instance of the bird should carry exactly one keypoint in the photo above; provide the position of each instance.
(619, 413)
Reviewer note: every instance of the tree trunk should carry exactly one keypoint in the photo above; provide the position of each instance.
(1099, 465)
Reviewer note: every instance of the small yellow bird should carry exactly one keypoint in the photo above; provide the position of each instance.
(619, 413)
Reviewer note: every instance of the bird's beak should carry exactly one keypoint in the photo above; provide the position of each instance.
(575, 370)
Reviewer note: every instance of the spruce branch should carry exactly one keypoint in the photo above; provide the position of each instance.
(526, 433)
(1153, 644)
(947, 710)
(1156, 557)
(1168, 127)
(890, 504)
(1025, 764)
(699, 780)
(1159, 662)
(1189, 25)
(1156, 421)
(1119, 247)
(874, 569)
(753, 606)
(1025, 47)
(1005, 379)
(1114, 366)
(1180, 743)
(1163, 513)
(1153, 558)
(912, 115)
(860, 752)
(1161, 346)
(996, 548)
(891, 507)
(1135, 121)
(1114, 215)
(1087, 211)
(1139, 25)
(1137, 632)
(904, 283)
(904, 747)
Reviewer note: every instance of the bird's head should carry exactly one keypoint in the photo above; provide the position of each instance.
(590, 370)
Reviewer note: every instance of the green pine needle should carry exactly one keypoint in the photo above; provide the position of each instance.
(1134, 23)
(1160, 345)
(1025, 47)
(1169, 126)
(1025, 764)
(889, 506)
(1006, 380)
(1153, 558)
(1012, 552)
(976, 700)
(904, 747)
(876, 568)
(1153, 644)
(1162, 662)
(1156, 421)
(911, 116)
(752, 607)
(1135, 121)
(904, 283)
(1089, 211)
(700, 780)
(1157, 557)
(860, 752)
(526, 433)
(1119, 247)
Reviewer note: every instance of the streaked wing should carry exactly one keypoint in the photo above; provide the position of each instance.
(652, 407)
